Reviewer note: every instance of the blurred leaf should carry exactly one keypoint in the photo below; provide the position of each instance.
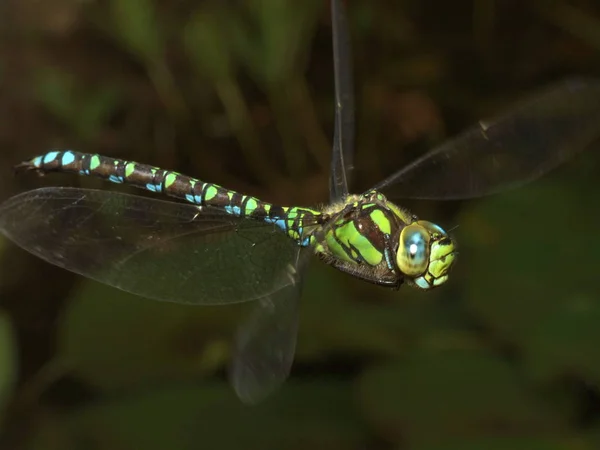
(277, 36)
(527, 253)
(54, 88)
(565, 342)
(593, 434)
(72, 102)
(207, 45)
(341, 315)
(457, 393)
(8, 360)
(574, 20)
(513, 443)
(137, 25)
(112, 338)
(310, 415)
(96, 108)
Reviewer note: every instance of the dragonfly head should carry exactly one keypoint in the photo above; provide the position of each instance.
(425, 254)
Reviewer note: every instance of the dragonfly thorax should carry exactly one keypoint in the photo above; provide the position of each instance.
(373, 239)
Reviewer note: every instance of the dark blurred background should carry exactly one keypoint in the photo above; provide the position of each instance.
(505, 356)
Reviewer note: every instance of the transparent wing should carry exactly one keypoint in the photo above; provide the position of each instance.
(538, 135)
(343, 138)
(153, 248)
(266, 343)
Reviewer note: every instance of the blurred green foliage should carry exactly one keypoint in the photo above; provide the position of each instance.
(8, 360)
(505, 356)
(84, 109)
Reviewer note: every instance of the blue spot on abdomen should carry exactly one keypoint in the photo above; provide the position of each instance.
(49, 157)
(233, 210)
(67, 158)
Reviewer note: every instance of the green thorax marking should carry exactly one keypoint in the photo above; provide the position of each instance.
(364, 233)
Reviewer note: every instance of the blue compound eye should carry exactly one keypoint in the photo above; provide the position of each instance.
(432, 228)
(413, 250)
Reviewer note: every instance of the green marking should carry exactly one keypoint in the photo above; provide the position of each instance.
(251, 206)
(440, 280)
(230, 195)
(403, 216)
(267, 208)
(293, 213)
(211, 193)
(381, 221)
(336, 249)
(94, 162)
(367, 205)
(349, 235)
(340, 222)
(129, 169)
(170, 179)
(153, 171)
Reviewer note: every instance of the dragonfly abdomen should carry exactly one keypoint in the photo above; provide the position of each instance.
(291, 220)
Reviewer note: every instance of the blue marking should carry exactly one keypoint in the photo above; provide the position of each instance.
(49, 157)
(189, 198)
(37, 161)
(68, 158)
(269, 220)
(422, 283)
(280, 223)
(388, 259)
(305, 242)
(84, 172)
(228, 209)
(439, 229)
(198, 199)
(115, 179)
(237, 211)
(151, 187)
(158, 188)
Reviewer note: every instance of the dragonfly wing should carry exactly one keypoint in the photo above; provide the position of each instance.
(162, 250)
(343, 138)
(266, 343)
(538, 135)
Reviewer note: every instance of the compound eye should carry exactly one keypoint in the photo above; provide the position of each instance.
(413, 250)
(432, 228)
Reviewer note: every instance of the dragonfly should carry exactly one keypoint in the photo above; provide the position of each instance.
(199, 243)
